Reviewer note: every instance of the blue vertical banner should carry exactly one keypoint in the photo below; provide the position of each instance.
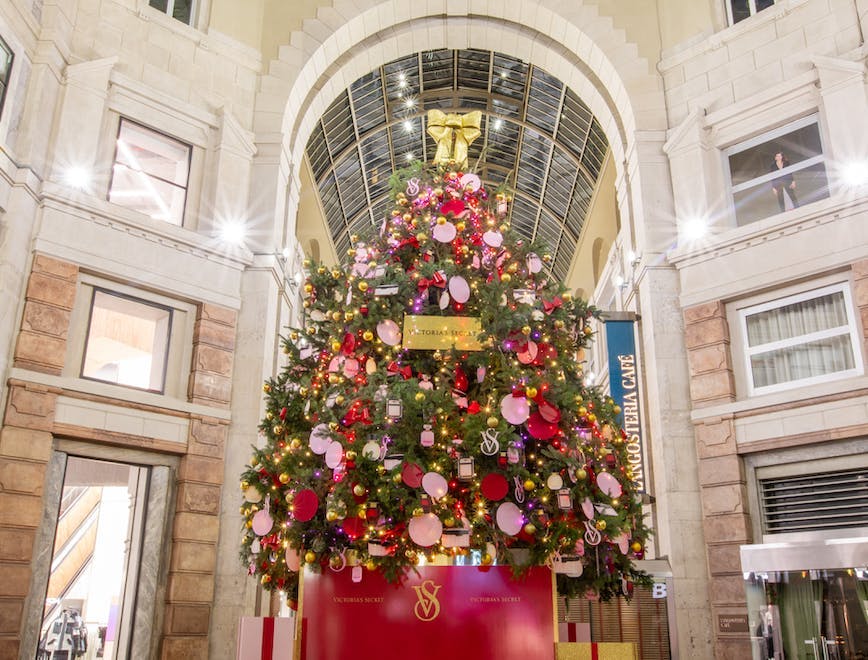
(624, 389)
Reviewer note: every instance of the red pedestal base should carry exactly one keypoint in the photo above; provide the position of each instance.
(443, 612)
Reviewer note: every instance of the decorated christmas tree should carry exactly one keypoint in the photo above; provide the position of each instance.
(434, 404)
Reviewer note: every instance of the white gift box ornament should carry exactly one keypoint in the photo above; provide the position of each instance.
(466, 470)
(394, 408)
(455, 537)
(570, 566)
(565, 502)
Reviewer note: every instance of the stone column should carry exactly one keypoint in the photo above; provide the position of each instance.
(196, 527)
(721, 471)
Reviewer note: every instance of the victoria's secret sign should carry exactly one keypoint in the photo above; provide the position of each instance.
(624, 388)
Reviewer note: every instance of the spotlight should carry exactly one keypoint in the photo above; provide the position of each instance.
(77, 177)
(498, 124)
(855, 174)
(233, 232)
(408, 126)
(693, 229)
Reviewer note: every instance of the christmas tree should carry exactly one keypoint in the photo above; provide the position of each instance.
(434, 404)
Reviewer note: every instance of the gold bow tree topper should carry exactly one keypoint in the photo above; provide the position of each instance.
(453, 134)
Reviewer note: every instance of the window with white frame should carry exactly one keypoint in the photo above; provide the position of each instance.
(802, 339)
(181, 10)
(777, 171)
(127, 341)
(738, 10)
(6, 57)
(150, 173)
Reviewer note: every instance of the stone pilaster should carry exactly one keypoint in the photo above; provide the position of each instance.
(48, 304)
(196, 527)
(723, 489)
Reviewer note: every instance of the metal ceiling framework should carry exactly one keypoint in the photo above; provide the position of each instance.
(537, 135)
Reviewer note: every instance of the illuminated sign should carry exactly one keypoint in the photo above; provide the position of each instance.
(624, 388)
(441, 332)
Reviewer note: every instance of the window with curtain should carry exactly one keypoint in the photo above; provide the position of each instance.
(800, 340)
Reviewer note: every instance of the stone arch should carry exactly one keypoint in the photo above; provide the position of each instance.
(575, 44)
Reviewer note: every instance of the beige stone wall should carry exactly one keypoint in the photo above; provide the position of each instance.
(26, 441)
(725, 504)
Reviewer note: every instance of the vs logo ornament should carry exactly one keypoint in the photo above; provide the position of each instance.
(427, 607)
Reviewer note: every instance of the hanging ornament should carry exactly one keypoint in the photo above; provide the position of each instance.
(565, 501)
(609, 484)
(435, 485)
(459, 289)
(304, 505)
(494, 486)
(426, 438)
(509, 518)
(320, 439)
(514, 409)
(489, 445)
(394, 409)
(425, 530)
(554, 481)
(389, 332)
(466, 470)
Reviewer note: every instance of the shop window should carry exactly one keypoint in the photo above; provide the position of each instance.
(802, 339)
(6, 57)
(739, 10)
(127, 341)
(777, 171)
(181, 10)
(150, 173)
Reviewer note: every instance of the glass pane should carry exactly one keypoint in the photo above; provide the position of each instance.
(740, 10)
(183, 10)
(809, 614)
(778, 195)
(808, 360)
(153, 153)
(5, 62)
(159, 4)
(797, 319)
(127, 342)
(155, 198)
(764, 4)
(92, 581)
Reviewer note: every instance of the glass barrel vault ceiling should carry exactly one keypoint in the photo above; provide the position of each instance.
(536, 134)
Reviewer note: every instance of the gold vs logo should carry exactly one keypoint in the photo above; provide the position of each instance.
(427, 607)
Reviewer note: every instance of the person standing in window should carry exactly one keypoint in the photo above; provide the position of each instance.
(783, 182)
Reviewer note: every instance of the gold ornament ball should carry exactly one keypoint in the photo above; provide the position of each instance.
(351, 455)
(367, 335)
(449, 522)
(333, 426)
(266, 388)
(567, 297)
(581, 474)
(363, 286)
(265, 579)
(420, 396)
(336, 316)
(411, 556)
(422, 237)
(486, 559)
(307, 263)
(417, 511)
(441, 220)
(635, 546)
(284, 478)
(601, 525)
(331, 515)
(525, 330)
(492, 422)
(351, 252)
(321, 270)
(334, 379)
(559, 324)
(397, 478)
(371, 565)
(311, 330)
(293, 335)
(438, 192)
(295, 443)
(269, 415)
(529, 485)
(408, 217)
(339, 399)
(335, 561)
(616, 410)
(308, 288)
(354, 238)
(302, 391)
(310, 557)
(244, 485)
(278, 429)
(506, 277)
(336, 274)
(336, 346)
(349, 316)
(530, 392)
(359, 490)
(530, 528)
(460, 226)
